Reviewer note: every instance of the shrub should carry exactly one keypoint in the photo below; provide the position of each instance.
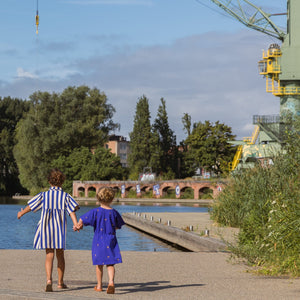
(264, 203)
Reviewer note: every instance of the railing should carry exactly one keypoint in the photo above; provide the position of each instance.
(266, 119)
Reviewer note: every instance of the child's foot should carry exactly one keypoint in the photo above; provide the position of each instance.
(98, 289)
(62, 286)
(110, 289)
(49, 286)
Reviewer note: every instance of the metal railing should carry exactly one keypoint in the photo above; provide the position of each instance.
(266, 119)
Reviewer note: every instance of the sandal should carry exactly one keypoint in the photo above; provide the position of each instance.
(110, 289)
(62, 286)
(49, 286)
(97, 290)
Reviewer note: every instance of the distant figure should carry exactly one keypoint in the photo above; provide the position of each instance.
(51, 229)
(105, 249)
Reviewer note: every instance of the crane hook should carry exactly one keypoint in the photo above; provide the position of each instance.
(37, 22)
(37, 18)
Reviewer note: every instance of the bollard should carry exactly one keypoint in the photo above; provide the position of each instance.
(151, 218)
(139, 214)
(145, 216)
(159, 220)
(191, 227)
(206, 232)
(169, 223)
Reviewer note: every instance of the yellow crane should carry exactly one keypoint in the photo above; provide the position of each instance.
(249, 141)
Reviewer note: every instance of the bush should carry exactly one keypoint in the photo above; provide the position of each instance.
(265, 203)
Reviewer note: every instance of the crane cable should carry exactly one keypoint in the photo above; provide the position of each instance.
(215, 10)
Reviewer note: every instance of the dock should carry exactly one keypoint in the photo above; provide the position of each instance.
(184, 237)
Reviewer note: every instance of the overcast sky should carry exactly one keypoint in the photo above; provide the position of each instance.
(201, 61)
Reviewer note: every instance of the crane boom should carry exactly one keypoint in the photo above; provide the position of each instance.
(252, 16)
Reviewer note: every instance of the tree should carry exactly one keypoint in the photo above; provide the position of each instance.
(208, 146)
(84, 164)
(11, 111)
(187, 123)
(141, 139)
(55, 125)
(166, 143)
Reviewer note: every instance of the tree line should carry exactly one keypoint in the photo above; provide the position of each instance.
(68, 130)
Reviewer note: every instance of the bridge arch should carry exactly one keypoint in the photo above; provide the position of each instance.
(164, 187)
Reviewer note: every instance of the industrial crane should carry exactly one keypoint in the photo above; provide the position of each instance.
(280, 65)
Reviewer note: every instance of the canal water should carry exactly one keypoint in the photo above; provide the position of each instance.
(18, 234)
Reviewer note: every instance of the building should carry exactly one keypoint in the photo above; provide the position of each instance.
(119, 146)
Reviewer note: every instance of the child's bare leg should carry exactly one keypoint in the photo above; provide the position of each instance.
(60, 266)
(99, 274)
(111, 278)
(49, 264)
(111, 274)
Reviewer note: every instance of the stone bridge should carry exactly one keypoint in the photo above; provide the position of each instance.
(158, 188)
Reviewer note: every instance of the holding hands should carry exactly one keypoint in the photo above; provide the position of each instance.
(78, 226)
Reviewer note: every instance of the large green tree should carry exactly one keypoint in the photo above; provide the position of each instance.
(208, 147)
(141, 139)
(11, 111)
(166, 143)
(55, 125)
(84, 164)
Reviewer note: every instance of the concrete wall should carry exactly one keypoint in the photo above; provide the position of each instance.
(188, 240)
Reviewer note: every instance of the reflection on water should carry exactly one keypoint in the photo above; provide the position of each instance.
(18, 234)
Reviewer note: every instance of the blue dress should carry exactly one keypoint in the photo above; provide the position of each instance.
(105, 249)
(52, 228)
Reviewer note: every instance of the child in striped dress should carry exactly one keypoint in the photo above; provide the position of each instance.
(51, 229)
(105, 248)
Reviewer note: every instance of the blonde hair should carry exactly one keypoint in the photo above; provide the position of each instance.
(105, 195)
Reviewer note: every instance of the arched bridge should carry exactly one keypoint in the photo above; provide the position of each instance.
(158, 188)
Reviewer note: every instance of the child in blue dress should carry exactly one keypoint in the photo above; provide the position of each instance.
(105, 248)
(51, 229)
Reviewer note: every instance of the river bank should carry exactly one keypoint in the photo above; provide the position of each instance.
(133, 201)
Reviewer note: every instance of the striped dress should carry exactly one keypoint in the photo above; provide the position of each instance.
(52, 227)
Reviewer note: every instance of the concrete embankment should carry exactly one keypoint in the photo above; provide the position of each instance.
(188, 240)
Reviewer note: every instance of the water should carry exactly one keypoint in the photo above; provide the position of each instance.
(18, 234)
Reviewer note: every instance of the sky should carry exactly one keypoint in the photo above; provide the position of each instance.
(189, 52)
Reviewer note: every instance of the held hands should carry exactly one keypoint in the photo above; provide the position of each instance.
(77, 227)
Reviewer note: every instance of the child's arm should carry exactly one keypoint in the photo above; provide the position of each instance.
(24, 211)
(73, 218)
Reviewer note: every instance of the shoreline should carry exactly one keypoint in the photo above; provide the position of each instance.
(133, 201)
